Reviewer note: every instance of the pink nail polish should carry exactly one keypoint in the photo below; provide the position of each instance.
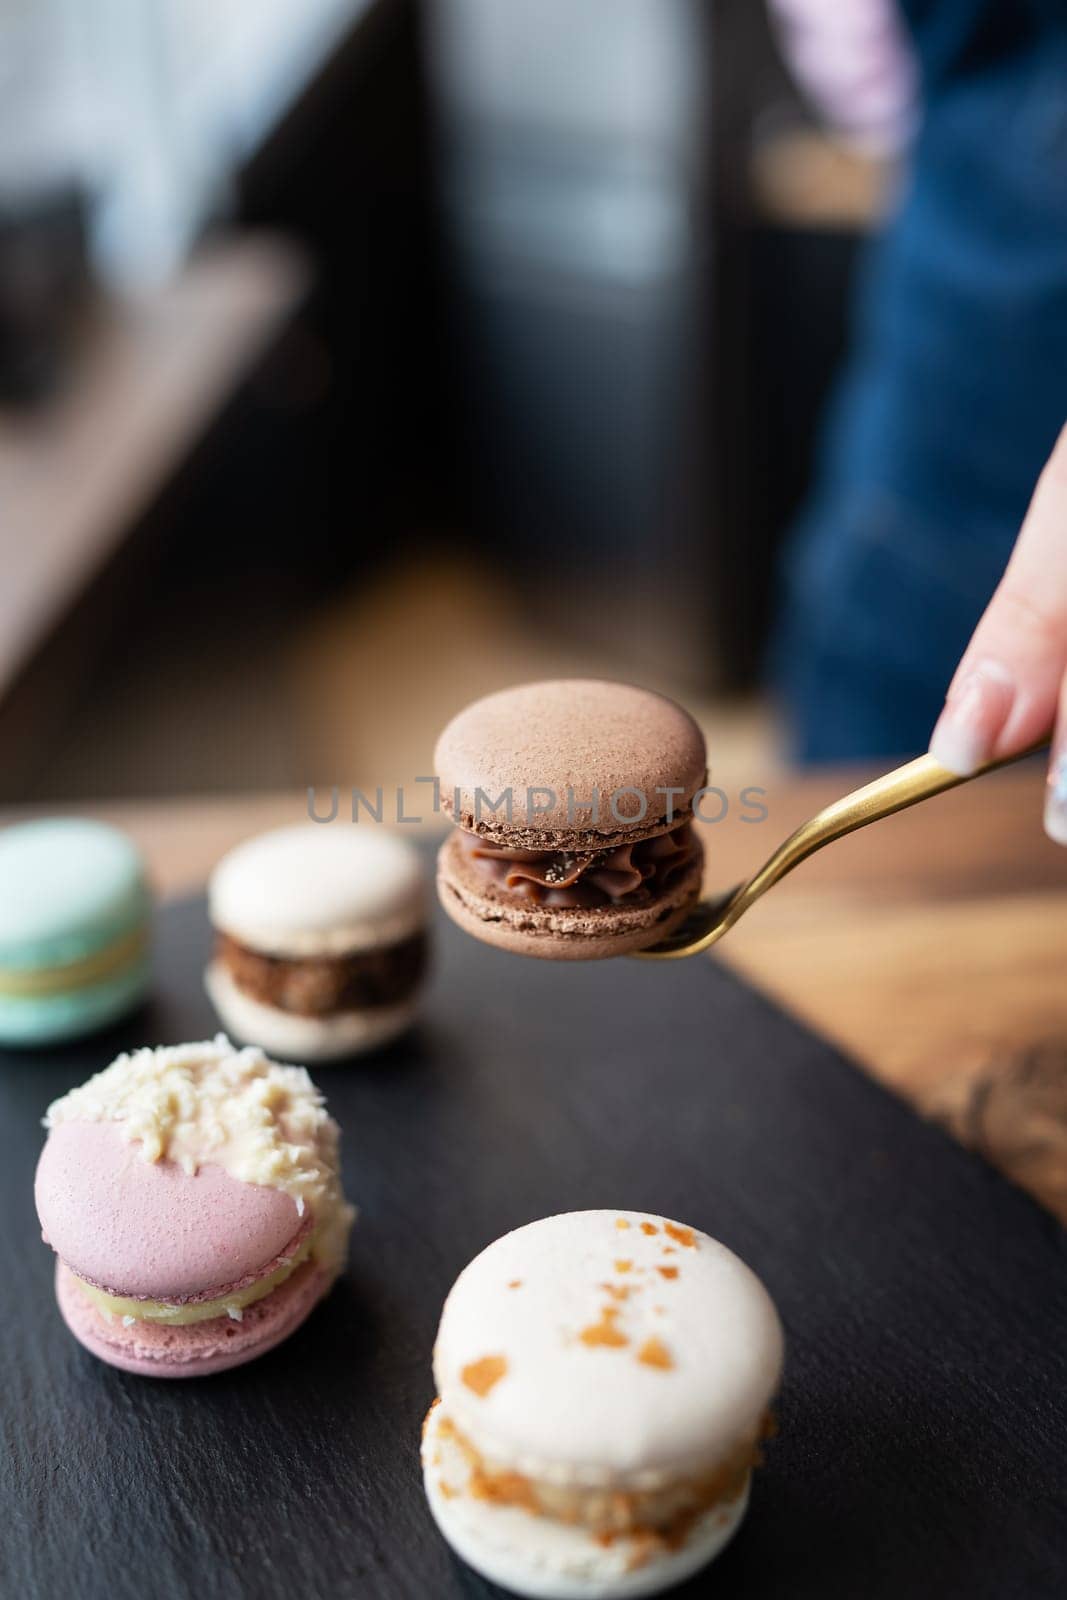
(975, 712)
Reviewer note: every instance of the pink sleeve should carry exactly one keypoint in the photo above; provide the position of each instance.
(854, 59)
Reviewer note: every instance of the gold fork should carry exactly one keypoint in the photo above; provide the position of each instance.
(895, 791)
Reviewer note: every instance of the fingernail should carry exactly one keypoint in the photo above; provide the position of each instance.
(1056, 801)
(975, 711)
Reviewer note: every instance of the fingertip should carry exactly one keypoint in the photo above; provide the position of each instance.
(973, 718)
(956, 749)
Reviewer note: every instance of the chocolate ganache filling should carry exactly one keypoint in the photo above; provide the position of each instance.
(319, 986)
(586, 878)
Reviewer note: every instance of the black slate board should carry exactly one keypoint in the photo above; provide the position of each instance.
(922, 1443)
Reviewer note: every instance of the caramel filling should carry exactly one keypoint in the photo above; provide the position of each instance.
(659, 1517)
(585, 878)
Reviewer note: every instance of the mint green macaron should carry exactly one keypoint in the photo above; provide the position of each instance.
(74, 925)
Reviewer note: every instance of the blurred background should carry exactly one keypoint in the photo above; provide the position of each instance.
(358, 357)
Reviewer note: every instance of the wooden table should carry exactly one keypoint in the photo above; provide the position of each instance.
(933, 948)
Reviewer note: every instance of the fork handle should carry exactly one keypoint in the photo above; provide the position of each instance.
(894, 791)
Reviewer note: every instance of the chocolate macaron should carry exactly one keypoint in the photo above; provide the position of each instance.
(573, 801)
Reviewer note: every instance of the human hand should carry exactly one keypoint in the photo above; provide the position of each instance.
(1011, 684)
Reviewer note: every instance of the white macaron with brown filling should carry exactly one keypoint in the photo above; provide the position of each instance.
(604, 1382)
(321, 939)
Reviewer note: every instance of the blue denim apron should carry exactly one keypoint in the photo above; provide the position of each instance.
(953, 394)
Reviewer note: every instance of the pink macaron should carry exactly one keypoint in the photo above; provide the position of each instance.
(192, 1196)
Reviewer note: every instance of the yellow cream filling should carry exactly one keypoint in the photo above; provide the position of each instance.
(75, 974)
(177, 1316)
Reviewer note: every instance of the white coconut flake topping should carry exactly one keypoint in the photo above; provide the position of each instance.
(209, 1102)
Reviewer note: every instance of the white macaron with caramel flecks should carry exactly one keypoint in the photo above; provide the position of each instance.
(604, 1383)
(321, 941)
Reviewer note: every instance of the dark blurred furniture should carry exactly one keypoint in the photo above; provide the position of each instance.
(790, 212)
(647, 256)
(780, 337)
(80, 475)
(571, 172)
(587, 334)
(346, 172)
(222, 448)
(44, 284)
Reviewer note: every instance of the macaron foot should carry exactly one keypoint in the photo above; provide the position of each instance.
(552, 933)
(291, 1037)
(196, 1349)
(549, 1560)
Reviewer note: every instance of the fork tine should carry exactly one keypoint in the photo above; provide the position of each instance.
(705, 923)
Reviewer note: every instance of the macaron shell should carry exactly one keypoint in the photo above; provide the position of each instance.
(150, 1229)
(567, 1307)
(49, 1019)
(197, 1349)
(68, 887)
(579, 734)
(555, 934)
(550, 1560)
(291, 1037)
(319, 889)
